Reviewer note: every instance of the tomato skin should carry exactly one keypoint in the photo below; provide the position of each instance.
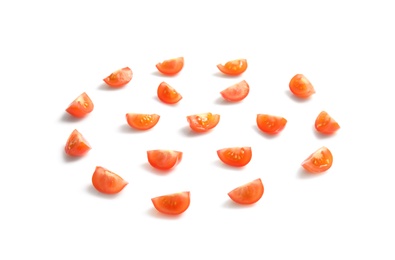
(142, 121)
(172, 204)
(164, 159)
(81, 106)
(233, 67)
(319, 161)
(119, 78)
(171, 67)
(270, 124)
(248, 193)
(325, 124)
(76, 144)
(203, 122)
(235, 156)
(236, 92)
(107, 182)
(301, 87)
(168, 94)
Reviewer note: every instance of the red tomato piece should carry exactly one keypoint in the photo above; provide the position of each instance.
(164, 159)
(270, 124)
(77, 145)
(81, 106)
(107, 182)
(203, 122)
(172, 204)
(167, 94)
(248, 193)
(301, 87)
(235, 156)
(325, 124)
(319, 161)
(236, 92)
(119, 78)
(142, 121)
(171, 66)
(233, 67)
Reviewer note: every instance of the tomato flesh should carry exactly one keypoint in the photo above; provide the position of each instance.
(107, 182)
(301, 87)
(164, 159)
(319, 161)
(233, 67)
(77, 145)
(142, 121)
(119, 78)
(270, 124)
(171, 66)
(168, 94)
(248, 193)
(325, 124)
(236, 92)
(172, 204)
(203, 122)
(235, 156)
(81, 106)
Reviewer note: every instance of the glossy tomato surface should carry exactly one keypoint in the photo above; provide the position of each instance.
(203, 122)
(167, 94)
(164, 159)
(107, 182)
(248, 193)
(142, 121)
(301, 87)
(235, 156)
(77, 145)
(81, 106)
(171, 66)
(119, 78)
(236, 92)
(233, 67)
(270, 124)
(325, 124)
(172, 204)
(319, 161)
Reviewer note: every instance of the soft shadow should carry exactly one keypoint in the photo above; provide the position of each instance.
(303, 174)
(318, 135)
(222, 75)
(267, 136)
(221, 101)
(220, 164)
(92, 191)
(296, 99)
(156, 214)
(230, 204)
(187, 131)
(146, 166)
(158, 74)
(126, 129)
(170, 105)
(67, 158)
(104, 86)
(66, 117)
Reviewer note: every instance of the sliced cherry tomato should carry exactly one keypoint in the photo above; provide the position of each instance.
(319, 161)
(77, 145)
(142, 121)
(119, 78)
(164, 159)
(203, 122)
(248, 193)
(235, 156)
(270, 124)
(301, 87)
(236, 92)
(81, 106)
(107, 182)
(325, 124)
(167, 94)
(233, 67)
(172, 204)
(171, 66)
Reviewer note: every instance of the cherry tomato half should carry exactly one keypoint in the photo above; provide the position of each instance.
(142, 121)
(233, 67)
(248, 193)
(77, 145)
(301, 87)
(81, 106)
(167, 94)
(235, 156)
(107, 182)
(119, 78)
(164, 159)
(203, 122)
(172, 204)
(236, 92)
(171, 66)
(270, 124)
(319, 161)
(325, 124)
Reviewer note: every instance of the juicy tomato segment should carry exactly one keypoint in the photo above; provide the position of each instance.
(81, 106)
(107, 182)
(77, 145)
(235, 156)
(236, 92)
(319, 161)
(270, 124)
(172, 204)
(233, 67)
(164, 159)
(142, 121)
(203, 122)
(119, 78)
(168, 94)
(171, 66)
(325, 124)
(248, 193)
(301, 87)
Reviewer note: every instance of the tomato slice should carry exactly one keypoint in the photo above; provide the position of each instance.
(233, 67)
(119, 78)
(203, 122)
(142, 121)
(77, 145)
(236, 92)
(167, 94)
(270, 124)
(235, 156)
(301, 87)
(319, 161)
(325, 124)
(164, 159)
(107, 182)
(81, 106)
(248, 193)
(171, 66)
(172, 204)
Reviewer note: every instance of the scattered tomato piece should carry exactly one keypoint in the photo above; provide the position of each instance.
(119, 78)
(164, 159)
(107, 182)
(325, 124)
(142, 121)
(301, 87)
(171, 66)
(319, 161)
(235, 156)
(233, 67)
(248, 193)
(236, 92)
(203, 122)
(81, 106)
(77, 145)
(168, 94)
(172, 204)
(270, 124)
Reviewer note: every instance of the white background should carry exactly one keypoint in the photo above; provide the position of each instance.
(52, 52)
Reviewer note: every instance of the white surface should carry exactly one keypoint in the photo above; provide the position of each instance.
(50, 53)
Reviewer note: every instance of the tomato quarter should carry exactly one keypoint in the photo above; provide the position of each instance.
(81, 106)
(119, 78)
(107, 182)
(172, 204)
(248, 193)
(76, 144)
(319, 161)
(236, 92)
(142, 121)
(167, 94)
(233, 67)
(171, 66)
(325, 124)
(301, 87)
(164, 159)
(270, 124)
(235, 156)
(203, 122)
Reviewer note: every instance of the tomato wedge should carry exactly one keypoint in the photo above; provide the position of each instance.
(164, 159)
(107, 182)
(233, 67)
(319, 161)
(167, 94)
(142, 121)
(171, 66)
(235, 156)
(301, 87)
(77, 145)
(248, 193)
(172, 204)
(270, 124)
(203, 122)
(119, 78)
(325, 124)
(236, 92)
(81, 106)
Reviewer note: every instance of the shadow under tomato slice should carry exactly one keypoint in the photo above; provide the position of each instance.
(203, 122)
(171, 66)
(235, 156)
(248, 193)
(319, 161)
(107, 182)
(233, 67)
(142, 121)
(270, 124)
(81, 106)
(164, 159)
(119, 78)
(77, 145)
(172, 204)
